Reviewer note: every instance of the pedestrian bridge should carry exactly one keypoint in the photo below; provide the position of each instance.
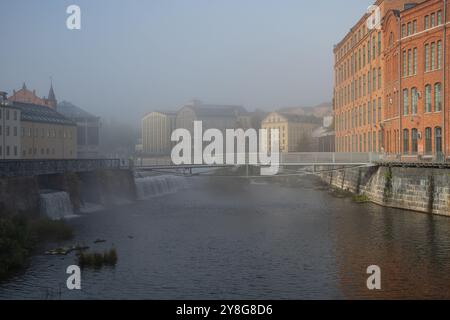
(298, 159)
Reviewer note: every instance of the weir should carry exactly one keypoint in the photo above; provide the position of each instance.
(150, 186)
(55, 204)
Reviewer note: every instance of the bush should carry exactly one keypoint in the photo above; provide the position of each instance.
(97, 260)
(19, 236)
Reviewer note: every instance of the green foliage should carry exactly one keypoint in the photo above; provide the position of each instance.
(361, 198)
(19, 236)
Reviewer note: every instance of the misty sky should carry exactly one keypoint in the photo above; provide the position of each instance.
(134, 56)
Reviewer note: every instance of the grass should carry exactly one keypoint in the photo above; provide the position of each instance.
(19, 236)
(97, 260)
(361, 198)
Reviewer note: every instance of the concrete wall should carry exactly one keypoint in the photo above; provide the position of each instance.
(20, 195)
(419, 189)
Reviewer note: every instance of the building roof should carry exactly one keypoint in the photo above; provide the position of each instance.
(300, 118)
(38, 113)
(72, 111)
(211, 110)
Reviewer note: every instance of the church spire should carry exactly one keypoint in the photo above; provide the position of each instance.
(51, 95)
(24, 86)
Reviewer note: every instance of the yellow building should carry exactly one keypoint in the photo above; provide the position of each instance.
(45, 133)
(295, 130)
(157, 128)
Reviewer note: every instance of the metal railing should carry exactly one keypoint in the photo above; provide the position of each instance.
(11, 168)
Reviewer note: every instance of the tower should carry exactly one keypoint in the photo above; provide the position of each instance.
(51, 99)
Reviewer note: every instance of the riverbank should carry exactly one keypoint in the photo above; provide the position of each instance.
(419, 189)
(20, 236)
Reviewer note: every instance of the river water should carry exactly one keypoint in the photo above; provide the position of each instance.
(224, 238)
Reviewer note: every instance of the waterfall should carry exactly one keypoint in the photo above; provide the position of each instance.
(56, 204)
(158, 185)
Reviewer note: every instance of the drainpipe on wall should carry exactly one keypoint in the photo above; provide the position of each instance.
(444, 129)
(400, 92)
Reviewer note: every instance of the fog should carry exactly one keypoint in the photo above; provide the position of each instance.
(145, 55)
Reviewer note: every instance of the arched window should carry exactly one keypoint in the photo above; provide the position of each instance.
(414, 136)
(428, 141)
(405, 141)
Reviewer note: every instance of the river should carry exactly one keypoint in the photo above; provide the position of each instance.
(225, 238)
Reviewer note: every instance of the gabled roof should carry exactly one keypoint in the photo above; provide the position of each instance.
(38, 113)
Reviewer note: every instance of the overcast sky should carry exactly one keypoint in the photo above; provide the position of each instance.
(134, 56)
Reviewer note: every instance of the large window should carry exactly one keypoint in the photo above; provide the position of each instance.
(405, 141)
(437, 97)
(438, 139)
(433, 56)
(379, 78)
(404, 64)
(428, 141)
(414, 100)
(439, 54)
(410, 65)
(427, 57)
(379, 43)
(414, 138)
(415, 61)
(374, 75)
(405, 101)
(426, 22)
(428, 98)
(374, 111)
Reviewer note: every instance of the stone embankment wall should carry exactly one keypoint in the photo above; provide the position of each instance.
(419, 189)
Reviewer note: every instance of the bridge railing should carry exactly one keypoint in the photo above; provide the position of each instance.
(329, 158)
(291, 158)
(12, 168)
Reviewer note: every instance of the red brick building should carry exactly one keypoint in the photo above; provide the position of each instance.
(391, 97)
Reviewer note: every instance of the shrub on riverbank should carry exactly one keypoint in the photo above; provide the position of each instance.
(97, 260)
(19, 235)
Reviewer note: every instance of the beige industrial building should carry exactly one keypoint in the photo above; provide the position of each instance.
(295, 130)
(157, 129)
(220, 117)
(41, 132)
(45, 133)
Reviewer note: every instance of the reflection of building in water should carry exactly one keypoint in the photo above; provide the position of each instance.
(412, 251)
(88, 127)
(295, 130)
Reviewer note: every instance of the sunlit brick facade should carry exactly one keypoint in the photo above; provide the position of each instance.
(389, 82)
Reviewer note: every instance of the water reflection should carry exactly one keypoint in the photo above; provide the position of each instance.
(227, 238)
